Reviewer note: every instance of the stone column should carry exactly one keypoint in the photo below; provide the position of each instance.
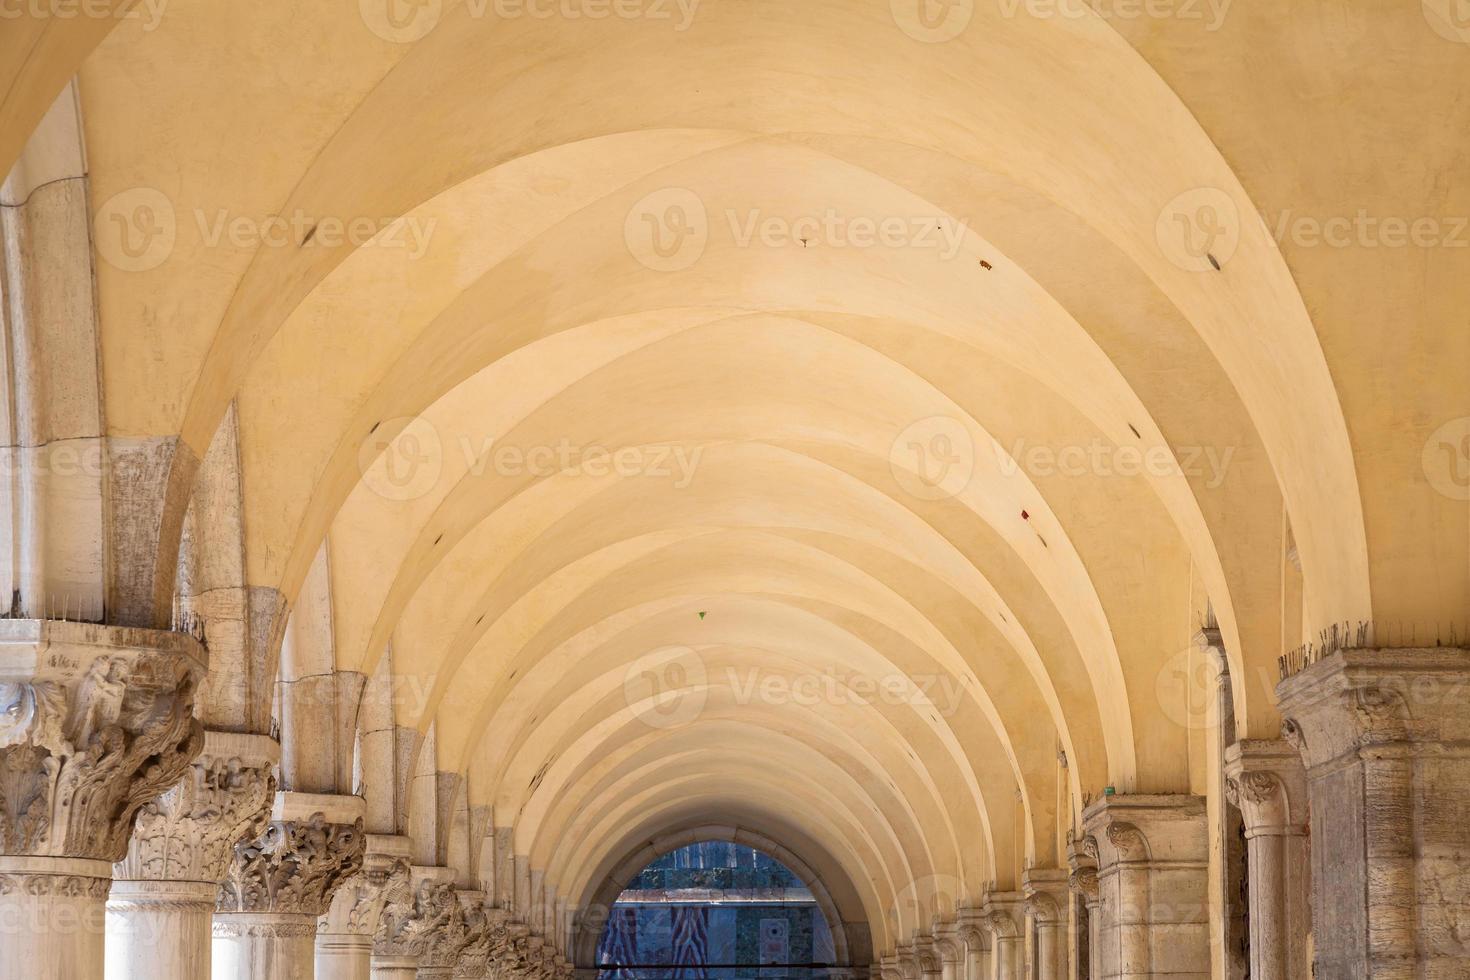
(1153, 879)
(344, 938)
(94, 722)
(1046, 902)
(265, 919)
(926, 957)
(1383, 734)
(408, 919)
(1082, 879)
(977, 943)
(950, 947)
(163, 892)
(1269, 785)
(1005, 915)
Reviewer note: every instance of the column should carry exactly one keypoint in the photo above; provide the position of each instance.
(163, 892)
(344, 938)
(408, 918)
(446, 945)
(1269, 785)
(279, 884)
(950, 947)
(1082, 880)
(1382, 734)
(926, 954)
(94, 722)
(1047, 899)
(1005, 915)
(1153, 880)
(977, 944)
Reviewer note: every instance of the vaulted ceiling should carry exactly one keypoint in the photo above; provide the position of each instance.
(641, 373)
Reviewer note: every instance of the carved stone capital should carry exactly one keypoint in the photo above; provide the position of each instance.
(1144, 829)
(1266, 781)
(1004, 914)
(1082, 868)
(190, 832)
(474, 952)
(358, 904)
(94, 722)
(414, 912)
(1046, 894)
(299, 862)
(1357, 699)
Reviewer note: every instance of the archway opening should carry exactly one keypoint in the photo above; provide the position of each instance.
(716, 910)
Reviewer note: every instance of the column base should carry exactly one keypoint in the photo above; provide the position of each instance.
(53, 917)
(159, 929)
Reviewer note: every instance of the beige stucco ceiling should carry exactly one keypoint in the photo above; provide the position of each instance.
(778, 404)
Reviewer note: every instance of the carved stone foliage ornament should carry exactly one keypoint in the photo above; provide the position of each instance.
(359, 903)
(190, 832)
(89, 732)
(295, 866)
(412, 916)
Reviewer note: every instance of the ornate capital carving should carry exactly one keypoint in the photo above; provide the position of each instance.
(1265, 780)
(295, 866)
(1083, 881)
(412, 915)
(190, 832)
(94, 722)
(1127, 840)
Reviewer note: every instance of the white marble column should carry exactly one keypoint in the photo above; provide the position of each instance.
(344, 941)
(163, 893)
(1382, 733)
(1269, 785)
(1153, 879)
(1046, 903)
(94, 722)
(1005, 914)
(277, 886)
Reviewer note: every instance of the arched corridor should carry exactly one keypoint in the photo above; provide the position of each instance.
(1008, 461)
